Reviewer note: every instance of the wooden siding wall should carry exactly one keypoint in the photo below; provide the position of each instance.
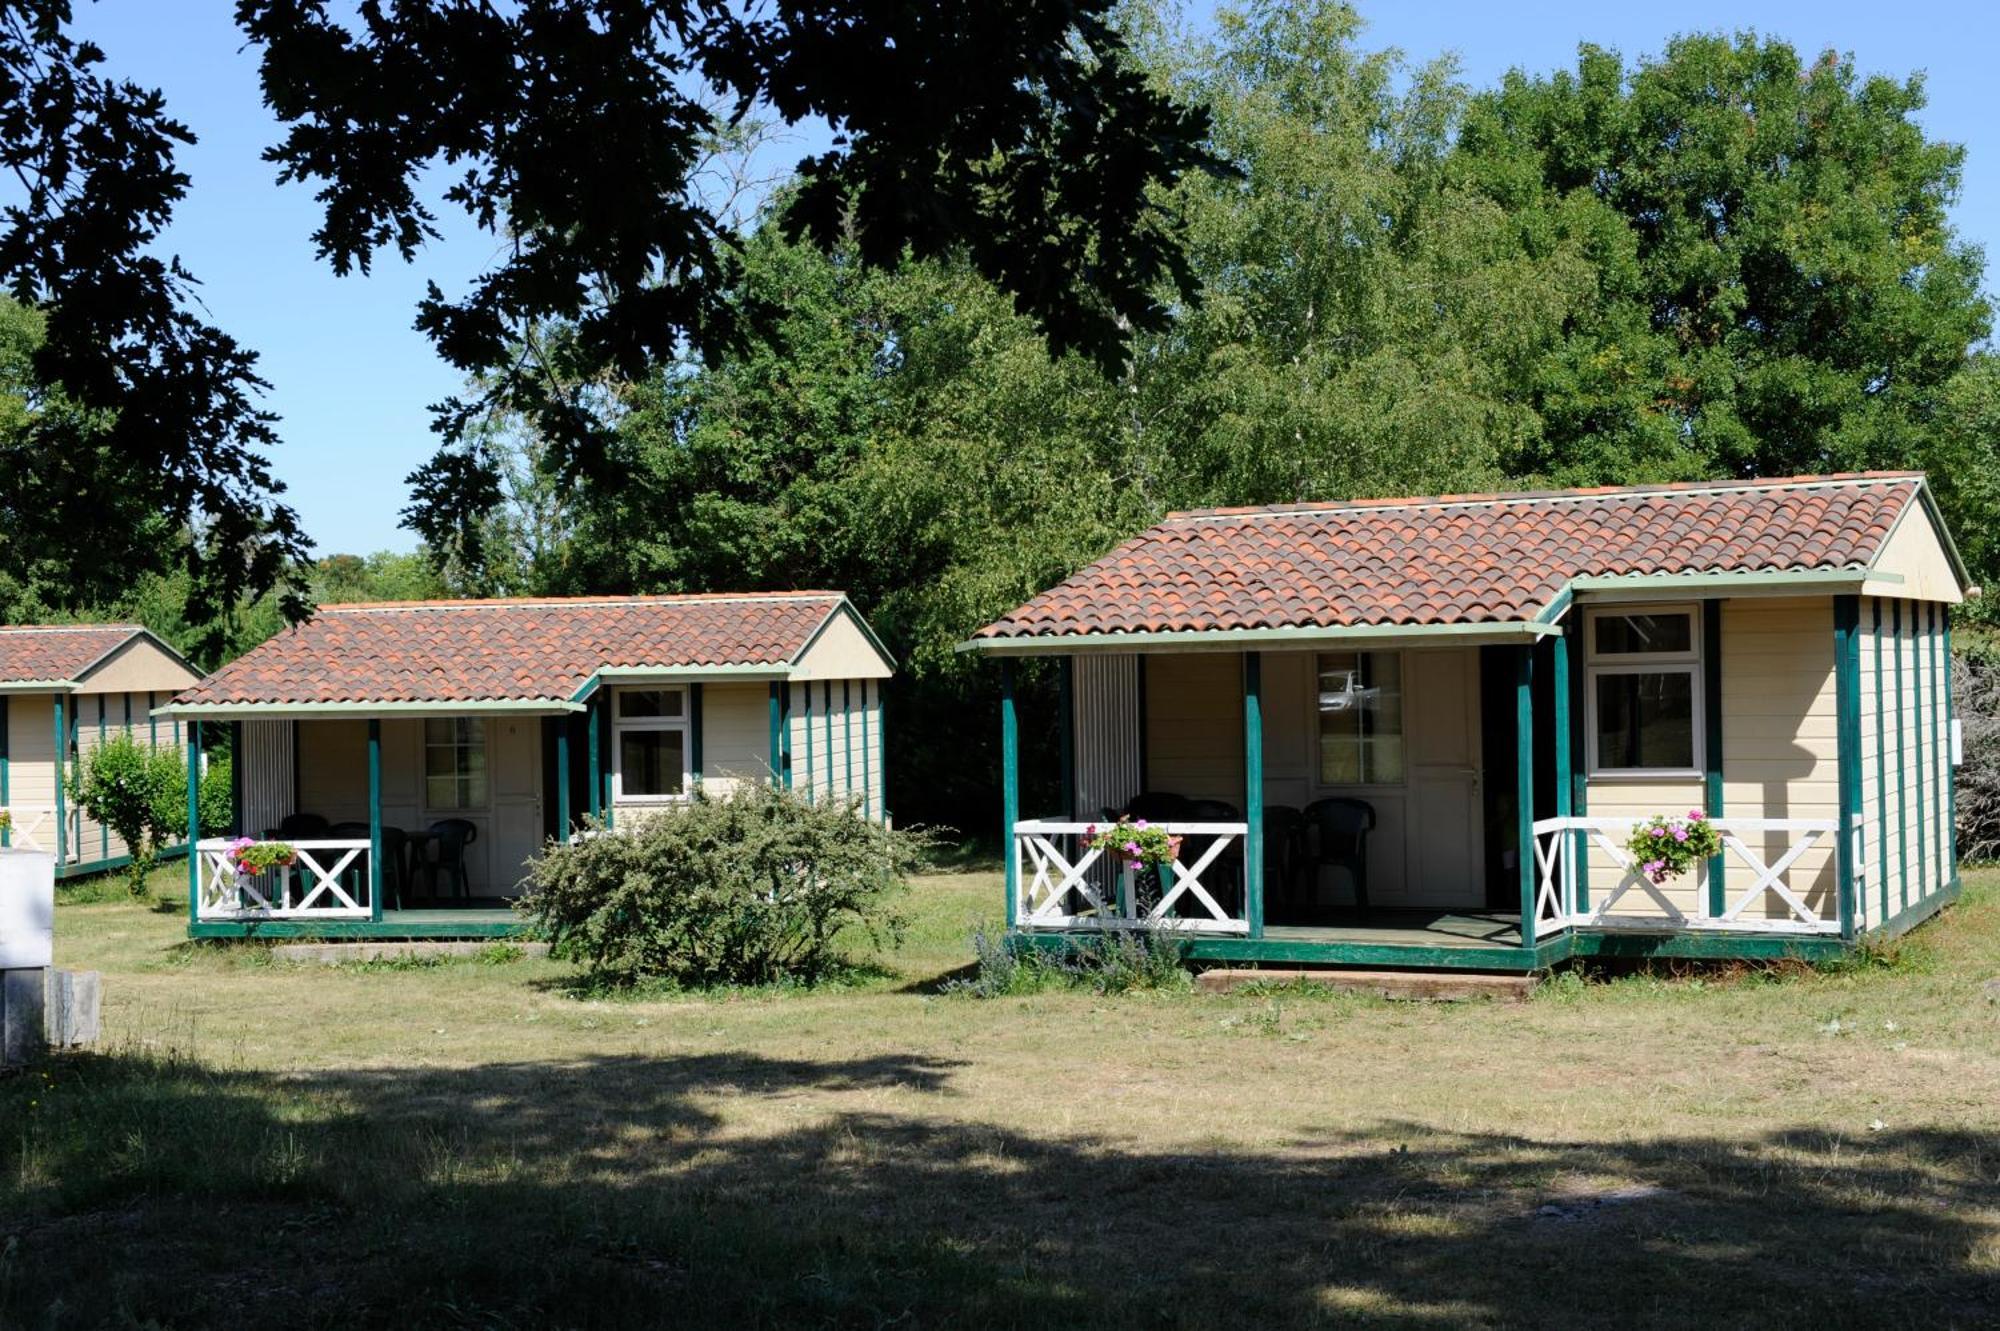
(1779, 756)
(1907, 840)
(735, 735)
(1194, 725)
(91, 718)
(836, 732)
(1105, 692)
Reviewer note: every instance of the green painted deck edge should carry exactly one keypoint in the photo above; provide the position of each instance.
(445, 928)
(1711, 947)
(1912, 916)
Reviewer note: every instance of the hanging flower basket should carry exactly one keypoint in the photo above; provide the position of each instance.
(1135, 843)
(1665, 848)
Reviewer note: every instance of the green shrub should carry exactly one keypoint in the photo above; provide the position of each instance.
(1108, 963)
(215, 801)
(139, 792)
(748, 889)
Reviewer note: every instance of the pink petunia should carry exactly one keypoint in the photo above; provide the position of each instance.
(1659, 831)
(1680, 834)
(1140, 824)
(1694, 815)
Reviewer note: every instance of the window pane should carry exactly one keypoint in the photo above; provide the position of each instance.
(649, 762)
(1622, 635)
(1646, 720)
(1360, 702)
(454, 763)
(650, 702)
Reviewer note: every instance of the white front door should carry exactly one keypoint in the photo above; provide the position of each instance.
(1441, 708)
(515, 831)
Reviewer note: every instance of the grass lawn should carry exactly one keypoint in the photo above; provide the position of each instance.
(466, 1143)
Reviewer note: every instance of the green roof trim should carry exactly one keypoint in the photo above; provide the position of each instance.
(674, 674)
(847, 607)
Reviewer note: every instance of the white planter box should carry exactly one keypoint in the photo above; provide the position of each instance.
(27, 908)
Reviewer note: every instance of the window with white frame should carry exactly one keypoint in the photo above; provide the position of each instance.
(1359, 697)
(1643, 690)
(649, 736)
(454, 763)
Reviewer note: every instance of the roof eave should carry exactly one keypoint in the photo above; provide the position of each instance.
(672, 674)
(279, 711)
(1371, 635)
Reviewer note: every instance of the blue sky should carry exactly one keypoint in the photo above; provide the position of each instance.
(352, 379)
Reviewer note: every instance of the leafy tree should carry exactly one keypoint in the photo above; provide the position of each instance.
(1018, 134)
(1778, 286)
(136, 422)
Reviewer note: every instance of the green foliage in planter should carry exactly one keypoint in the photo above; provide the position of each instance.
(748, 889)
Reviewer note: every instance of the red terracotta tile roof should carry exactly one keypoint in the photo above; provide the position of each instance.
(1455, 559)
(519, 650)
(35, 652)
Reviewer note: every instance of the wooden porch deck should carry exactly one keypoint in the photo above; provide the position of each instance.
(1410, 928)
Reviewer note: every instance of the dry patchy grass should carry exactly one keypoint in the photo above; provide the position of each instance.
(466, 1144)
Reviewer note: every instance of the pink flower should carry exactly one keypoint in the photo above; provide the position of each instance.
(1140, 824)
(1694, 815)
(1090, 831)
(1132, 849)
(1659, 831)
(1680, 834)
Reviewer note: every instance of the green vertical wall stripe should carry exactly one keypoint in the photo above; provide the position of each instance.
(1253, 791)
(1878, 864)
(60, 739)
(1918, 636)
(697, 723)
(1939, 782)
(1524, 785)
(1950, 769)
(1847, 701)
(806, 720)
(847, 738)
(6, 742)
(826, 713)
(1010, 786)
(375, 819)
(1902, 805)
(194, 814)
(869, 808)
(152, 722)
(103, 832)
(1711, 709)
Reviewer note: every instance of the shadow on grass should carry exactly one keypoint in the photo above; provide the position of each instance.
(621, 1192)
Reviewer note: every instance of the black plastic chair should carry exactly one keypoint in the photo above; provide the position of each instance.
(298, 827)
(1155, 806)
(1341, 828)
(452, 836)
(1284, 851)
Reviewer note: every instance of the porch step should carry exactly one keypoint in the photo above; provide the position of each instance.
(1414, 986)
(334, 954)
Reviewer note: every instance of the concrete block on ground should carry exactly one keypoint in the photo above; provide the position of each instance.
(74, 1008)
(335, 954)
(1417, 986)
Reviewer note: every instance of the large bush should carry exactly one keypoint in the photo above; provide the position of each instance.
(1976, 702)
(139, 791)
(745, 889)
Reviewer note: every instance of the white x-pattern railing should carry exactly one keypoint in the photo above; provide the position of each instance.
(34, 827)
(1063, 883)
(1559, 842)
(311, 889)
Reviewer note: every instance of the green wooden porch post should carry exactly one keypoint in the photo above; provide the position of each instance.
(375, 819)
(1253, 791)
(1847, 694)
(1010, 785)
(781, 743)
(1711, 721)
(562, 778)
(193, 732)
(596, 762)
(694, 730)
(62, 771)
(1572, 843)
(1524, 785)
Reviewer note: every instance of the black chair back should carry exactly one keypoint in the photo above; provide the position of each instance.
(1155, 806)
(1341, 826)
(1224, 876)
(1284, 847)
(452, 836)
(302, 827)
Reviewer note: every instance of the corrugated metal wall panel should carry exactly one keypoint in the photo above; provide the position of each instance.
(268, 770)
(1106, 692)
